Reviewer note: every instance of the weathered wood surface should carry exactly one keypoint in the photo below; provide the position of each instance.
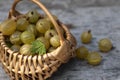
(104, 22)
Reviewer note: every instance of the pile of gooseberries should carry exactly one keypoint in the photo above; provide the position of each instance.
(92, 57)
(22, 31)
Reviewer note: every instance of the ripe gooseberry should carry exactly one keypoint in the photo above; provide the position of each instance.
(82, 52)
(94, 58)
(86, 37)
(105, 45)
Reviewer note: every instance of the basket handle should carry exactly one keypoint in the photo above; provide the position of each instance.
(13, 13)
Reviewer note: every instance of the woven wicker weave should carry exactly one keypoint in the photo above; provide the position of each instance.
(21, 67)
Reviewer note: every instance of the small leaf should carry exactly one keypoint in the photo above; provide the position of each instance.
(38, 47)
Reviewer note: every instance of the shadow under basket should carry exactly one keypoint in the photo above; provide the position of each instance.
(37, 67)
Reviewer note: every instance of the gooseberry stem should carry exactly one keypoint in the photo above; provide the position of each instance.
(89, 31)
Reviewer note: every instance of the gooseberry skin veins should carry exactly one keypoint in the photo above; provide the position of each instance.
(8, 27)
(86, 37)
(82, 52)
(27, 37)
(105, 45)
(94, 58)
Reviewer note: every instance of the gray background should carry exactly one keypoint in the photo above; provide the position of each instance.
(101, 16)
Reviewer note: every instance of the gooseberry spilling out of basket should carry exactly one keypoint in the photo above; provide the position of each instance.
(30, 34)
(86, 37)
(82, 52)
(94, 58)
(105, 45)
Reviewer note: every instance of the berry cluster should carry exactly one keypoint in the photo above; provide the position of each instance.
(21, 32)
(92, 57)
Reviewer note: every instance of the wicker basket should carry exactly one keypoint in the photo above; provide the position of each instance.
(21, 67)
